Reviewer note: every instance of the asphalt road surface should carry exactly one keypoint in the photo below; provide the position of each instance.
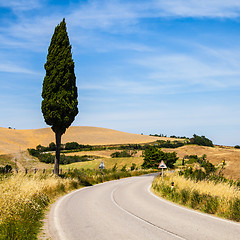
(126, 209)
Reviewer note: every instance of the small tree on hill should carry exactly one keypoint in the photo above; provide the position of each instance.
(59, 92)
(153, 156)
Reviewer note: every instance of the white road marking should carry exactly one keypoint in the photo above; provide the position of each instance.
(141, 219)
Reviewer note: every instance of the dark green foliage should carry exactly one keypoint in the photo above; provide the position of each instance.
(133, 147)
(133, 167)
(153, 157)
(49, 158)
(185, 195)
(52, 146)
(168, 144)
(123, 169)
(202, 141)
(195, 199)
(72, 145)
(6, 169)
(59, 92)
(114, 169)
(121, 154)
(237, 146)
(211, 203)
(235, 210)
(199, 174)
(157, 135)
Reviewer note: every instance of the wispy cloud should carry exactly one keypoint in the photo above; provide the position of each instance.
(21, 5)
(12, 68)
(199, 8)
(193, 70)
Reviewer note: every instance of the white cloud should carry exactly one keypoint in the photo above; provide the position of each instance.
(12, 68)
(185, 69)
(198, 8)
(21, 5)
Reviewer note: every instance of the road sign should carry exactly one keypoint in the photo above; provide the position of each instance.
(102, 166)
(162, 165)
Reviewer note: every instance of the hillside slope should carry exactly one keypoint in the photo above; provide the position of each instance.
(215, 155)
(12, 140)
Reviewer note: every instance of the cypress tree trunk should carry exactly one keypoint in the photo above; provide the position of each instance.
(58, 136)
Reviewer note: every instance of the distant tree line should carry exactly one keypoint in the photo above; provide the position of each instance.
(198, 140)
(74, 146)
(49, 158)
(123, 153)
(201, 141)
(172, 136)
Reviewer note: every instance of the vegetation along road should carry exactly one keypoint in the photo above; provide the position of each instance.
(127, 209)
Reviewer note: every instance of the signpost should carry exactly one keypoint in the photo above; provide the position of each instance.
(162, 165)
(101, 166)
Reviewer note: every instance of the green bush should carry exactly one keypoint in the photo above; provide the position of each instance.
(6, 169)
(235, 210)
(124, 168)
(121, 154)
(211, 203)
(185, 195)
(133, 166)
(195, 199)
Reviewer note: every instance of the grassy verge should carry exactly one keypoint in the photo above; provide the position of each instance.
(220, 199)
(24, 198)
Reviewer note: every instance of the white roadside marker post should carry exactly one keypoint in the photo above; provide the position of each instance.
(101, 167)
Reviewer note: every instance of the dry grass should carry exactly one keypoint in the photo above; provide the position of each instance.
(102, 153)
(220, 199)
(108, 162)
(215, 155)
(22, 201)
(203, 187)
(16, 140)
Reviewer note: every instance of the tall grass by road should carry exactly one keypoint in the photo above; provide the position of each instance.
(221, 199)
(24, 198)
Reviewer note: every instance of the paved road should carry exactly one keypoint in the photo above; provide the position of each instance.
(127, 210)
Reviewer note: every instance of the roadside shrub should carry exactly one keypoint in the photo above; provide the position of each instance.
(6, 169)
(121, 154)
(235, 209)
(114, 169)
(220, 198)
(133, 166)
(195, 199)
(124, 168)
(185, 195)
(211, 203)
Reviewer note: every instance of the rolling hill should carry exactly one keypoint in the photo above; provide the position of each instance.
(13, 141)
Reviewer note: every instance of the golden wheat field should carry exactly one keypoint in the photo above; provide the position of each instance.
(15, 142)
(12, 140)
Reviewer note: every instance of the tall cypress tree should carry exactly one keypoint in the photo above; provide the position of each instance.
(59, 92)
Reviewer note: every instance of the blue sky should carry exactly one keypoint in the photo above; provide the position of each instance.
(147, 66)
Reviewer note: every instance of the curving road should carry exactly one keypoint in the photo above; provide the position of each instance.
(126, 209)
